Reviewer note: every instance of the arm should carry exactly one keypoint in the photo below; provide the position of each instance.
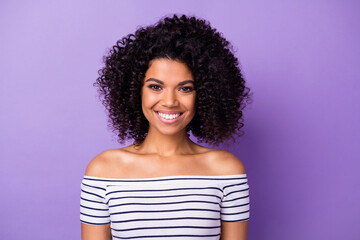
(234, 230)
(98, 168)
(95, 232)
(230, 229)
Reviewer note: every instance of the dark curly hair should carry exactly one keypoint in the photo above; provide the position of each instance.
(221, 93)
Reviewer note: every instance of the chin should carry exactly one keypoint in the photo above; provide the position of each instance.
(170, 132)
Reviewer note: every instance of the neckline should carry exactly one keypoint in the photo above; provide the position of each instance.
(169, 177)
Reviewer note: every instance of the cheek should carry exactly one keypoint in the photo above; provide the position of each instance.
(146, 106)
(148, 100)
(191, 103)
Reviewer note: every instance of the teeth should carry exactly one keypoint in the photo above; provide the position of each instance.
(168, 116)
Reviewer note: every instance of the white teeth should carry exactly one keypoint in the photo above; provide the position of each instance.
(168, 116)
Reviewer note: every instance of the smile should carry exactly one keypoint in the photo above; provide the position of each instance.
(168, 116)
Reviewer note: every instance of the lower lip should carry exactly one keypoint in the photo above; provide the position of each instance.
(168, 121)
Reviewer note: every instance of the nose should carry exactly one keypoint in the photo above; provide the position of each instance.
(169, 99)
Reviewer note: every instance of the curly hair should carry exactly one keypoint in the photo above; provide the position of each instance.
(221, 94)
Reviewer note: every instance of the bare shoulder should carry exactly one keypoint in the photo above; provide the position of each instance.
(104, 163)
(226, 163)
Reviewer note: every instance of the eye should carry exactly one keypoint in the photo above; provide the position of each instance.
(186, 89)
(154, 87)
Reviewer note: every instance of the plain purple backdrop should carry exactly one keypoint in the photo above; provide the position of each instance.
(301, 147)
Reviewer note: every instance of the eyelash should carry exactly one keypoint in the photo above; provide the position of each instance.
(189, 89)
(154, 87)
(158, 88)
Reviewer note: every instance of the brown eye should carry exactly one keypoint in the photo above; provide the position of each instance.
(187, 89)
(154, 87)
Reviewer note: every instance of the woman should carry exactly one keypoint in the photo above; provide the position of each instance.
(158, 85)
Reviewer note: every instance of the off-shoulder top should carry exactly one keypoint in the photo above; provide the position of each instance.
(171, 207)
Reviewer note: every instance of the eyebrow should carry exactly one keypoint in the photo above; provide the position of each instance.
(161, 82)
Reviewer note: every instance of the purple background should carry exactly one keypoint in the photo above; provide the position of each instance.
(301, 147)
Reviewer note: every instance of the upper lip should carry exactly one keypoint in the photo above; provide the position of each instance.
(168, 112)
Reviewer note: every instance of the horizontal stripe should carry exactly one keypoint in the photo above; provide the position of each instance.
(232, 185)
(91, 200)
(241, 205)
(94, 223)
(98, 209)
(236, 199)
(92, 194)
(161, 190)
(175, 210)
(235, 213)
(88, 215)
(165, 196)
(165, 219)
(164, 227)
(104, 189)
(167, 236)
(238, 220)
(236, 192)
(162, 203)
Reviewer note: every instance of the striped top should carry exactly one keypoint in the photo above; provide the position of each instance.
(172, 207)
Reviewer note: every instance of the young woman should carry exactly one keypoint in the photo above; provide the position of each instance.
(159, 84)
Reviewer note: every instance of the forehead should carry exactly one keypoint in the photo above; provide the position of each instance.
(168, 70)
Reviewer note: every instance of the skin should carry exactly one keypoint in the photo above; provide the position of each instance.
(166, 150)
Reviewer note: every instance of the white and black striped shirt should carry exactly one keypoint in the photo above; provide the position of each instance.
(171, 207)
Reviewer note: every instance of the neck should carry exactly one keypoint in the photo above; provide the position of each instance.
(167, 145)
